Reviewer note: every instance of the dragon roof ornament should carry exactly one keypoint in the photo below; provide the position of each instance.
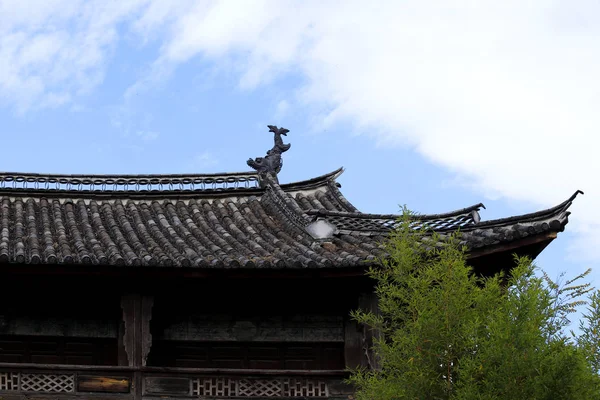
(272, 162)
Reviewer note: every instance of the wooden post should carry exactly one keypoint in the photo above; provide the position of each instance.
(358, 339)
(121, 352)
(368, 302)
(137, 340)
(353, 352)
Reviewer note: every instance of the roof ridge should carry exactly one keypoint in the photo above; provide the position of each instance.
(339, 196)
(420, 217)
(285, 203)
(147, 183)
(106, 183)
(57, 175)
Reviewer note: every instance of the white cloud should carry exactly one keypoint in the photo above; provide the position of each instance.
(147, 136)
(203, 160)
(281, 110)
(53, 50)
(503, 93)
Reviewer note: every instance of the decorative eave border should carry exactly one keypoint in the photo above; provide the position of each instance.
(27, 182)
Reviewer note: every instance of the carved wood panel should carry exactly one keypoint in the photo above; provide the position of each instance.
(275, 328)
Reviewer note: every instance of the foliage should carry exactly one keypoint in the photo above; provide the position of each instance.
(589, 340)
(446, 333)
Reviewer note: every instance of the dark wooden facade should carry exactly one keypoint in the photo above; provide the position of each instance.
(202, 286)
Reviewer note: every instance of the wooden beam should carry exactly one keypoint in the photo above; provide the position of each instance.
(66, 367)
(111, 370)
(161, 273)
(245, 372)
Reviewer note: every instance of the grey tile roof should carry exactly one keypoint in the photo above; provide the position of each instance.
(214, 221)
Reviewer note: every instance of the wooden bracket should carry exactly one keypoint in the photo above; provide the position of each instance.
(146, 339)
(137, 339)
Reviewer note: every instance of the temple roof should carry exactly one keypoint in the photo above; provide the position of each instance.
(235, 220)
(230, 220)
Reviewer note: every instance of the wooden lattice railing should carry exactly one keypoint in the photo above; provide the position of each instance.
(61, 380)
(21, 381)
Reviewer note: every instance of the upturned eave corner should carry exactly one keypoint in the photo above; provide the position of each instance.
(556, 217)
(523, 235)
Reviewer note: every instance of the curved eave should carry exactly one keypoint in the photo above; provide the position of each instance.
(493, 243)
(556, 216)
(312, 183)
(558, 212)
(326, 183)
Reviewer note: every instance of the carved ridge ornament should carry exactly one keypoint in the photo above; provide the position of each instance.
(272, 162)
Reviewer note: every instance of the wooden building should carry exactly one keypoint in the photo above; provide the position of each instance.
(201, 286)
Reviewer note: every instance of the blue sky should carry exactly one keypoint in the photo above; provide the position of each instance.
(435, 105)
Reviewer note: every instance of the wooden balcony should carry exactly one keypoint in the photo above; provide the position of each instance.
(29, 381)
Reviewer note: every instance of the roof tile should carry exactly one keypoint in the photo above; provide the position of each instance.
(232, 227)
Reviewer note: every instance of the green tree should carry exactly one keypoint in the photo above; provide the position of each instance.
(589, 339)
(446, 333)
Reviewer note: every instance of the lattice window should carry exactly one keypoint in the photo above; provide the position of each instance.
(259, 387)
(256, 387)
(9, 381)
(304, 388)
(214, 387)
(47, 383)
